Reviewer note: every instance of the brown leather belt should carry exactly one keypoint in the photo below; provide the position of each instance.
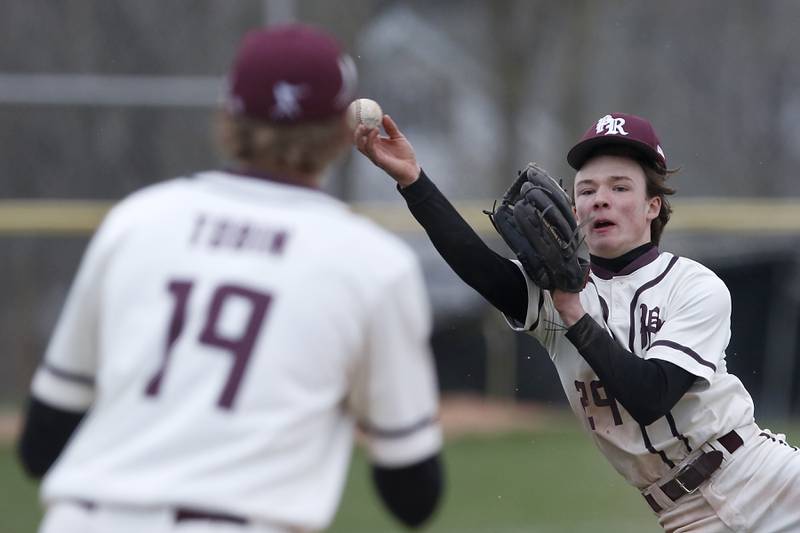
(183, 514)
(691, 476)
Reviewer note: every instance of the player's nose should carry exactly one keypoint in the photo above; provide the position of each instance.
(601, 198)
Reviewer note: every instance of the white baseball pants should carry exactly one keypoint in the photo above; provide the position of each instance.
(756, 490)
(70, 517)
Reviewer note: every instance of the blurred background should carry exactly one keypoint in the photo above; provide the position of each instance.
(98, 99)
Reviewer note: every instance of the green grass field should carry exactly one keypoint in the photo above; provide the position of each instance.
(550, 482)
(547, 481)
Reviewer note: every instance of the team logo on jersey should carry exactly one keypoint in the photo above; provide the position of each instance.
(611, 125)
(650, 323)
(287, 99)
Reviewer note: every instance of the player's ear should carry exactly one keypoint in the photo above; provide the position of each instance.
(653, 207)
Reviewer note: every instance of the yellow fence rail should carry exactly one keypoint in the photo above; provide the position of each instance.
(54, 217)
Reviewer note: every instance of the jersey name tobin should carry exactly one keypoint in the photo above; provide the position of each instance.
(218, 232)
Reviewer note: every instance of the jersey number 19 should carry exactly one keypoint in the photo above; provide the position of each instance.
(240, 346)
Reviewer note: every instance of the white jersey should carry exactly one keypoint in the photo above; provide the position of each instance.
(659, 307)
(228, 333)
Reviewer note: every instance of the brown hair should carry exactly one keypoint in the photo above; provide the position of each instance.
(306, 147)
(656, 176)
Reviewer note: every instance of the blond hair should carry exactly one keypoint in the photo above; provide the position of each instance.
(306, 147)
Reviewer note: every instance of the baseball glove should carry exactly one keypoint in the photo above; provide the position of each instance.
(536, 220)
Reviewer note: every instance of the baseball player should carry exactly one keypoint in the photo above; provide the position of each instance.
(638, 342)
(218, 346)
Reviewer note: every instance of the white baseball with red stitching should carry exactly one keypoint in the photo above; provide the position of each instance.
(364, 111)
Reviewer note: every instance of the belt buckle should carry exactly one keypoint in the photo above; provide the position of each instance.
(683, 487)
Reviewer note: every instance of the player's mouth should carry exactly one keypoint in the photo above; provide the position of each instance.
(602, 225)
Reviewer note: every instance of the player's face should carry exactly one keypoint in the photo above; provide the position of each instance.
(611, 194)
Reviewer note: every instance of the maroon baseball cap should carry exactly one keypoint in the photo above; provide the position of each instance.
(619, 129)
(290, 73)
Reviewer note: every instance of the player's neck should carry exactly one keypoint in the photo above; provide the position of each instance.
(287, 177)
(616, 264)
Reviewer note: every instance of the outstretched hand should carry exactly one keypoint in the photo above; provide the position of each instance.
(394, 154)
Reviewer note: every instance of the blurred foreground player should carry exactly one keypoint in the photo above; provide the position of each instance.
(227, 331)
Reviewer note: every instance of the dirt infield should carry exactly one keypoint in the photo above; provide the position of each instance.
(459, 414)
(9, 426)
(466, 415)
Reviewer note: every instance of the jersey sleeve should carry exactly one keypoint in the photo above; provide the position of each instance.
(536, 300)
(65, 377)
(395, 396)
(695, 334)
(541, 318)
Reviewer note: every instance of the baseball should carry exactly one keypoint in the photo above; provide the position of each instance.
(364, 111)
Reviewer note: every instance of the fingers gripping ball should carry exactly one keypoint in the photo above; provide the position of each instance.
(364, 111)
(535, 219)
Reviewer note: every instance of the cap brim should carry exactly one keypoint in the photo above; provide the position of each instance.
(579, 153)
